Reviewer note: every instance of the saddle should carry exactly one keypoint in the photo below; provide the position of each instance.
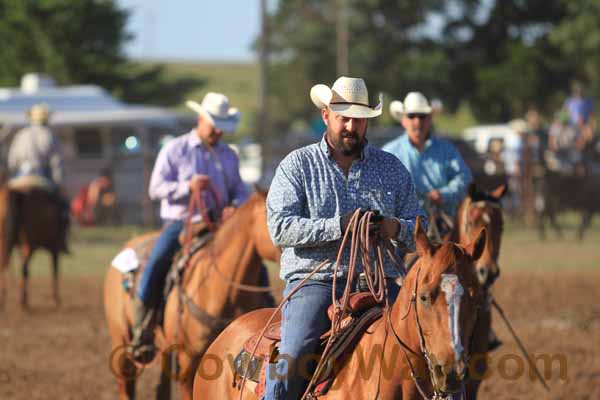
(26, 183)
(201, 236)
(363, 310)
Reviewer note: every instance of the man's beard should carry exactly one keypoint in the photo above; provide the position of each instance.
(349, 149)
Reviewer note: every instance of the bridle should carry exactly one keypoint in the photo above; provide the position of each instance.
(437, 395)
(214, 323)
(488, 202)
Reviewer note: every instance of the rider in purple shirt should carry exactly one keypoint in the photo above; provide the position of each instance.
(192, 161)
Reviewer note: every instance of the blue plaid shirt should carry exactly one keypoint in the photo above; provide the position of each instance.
(310, 193)
(440, 166)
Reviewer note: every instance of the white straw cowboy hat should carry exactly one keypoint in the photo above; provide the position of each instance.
(39, 113)
(518, 125)
(215, 107)
(414, 103)
(348, 97)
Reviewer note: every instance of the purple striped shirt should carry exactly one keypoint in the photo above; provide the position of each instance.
(186, 156)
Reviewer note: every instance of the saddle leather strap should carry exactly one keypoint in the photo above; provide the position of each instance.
(212, 322)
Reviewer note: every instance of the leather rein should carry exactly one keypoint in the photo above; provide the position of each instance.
(198, 204)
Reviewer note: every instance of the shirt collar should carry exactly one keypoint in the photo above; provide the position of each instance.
(194, 141)
(428, 143)
(325, 149)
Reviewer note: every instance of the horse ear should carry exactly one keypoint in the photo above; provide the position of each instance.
(472, 189)
(421, 240)
(499, 192)
(475, 248)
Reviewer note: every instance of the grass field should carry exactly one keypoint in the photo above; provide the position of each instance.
(548, 289)
(93, 248)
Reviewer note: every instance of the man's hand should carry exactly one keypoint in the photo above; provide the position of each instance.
(389, 228)
(227, 212)
(199, 182)
(435, 197)
(374, 221)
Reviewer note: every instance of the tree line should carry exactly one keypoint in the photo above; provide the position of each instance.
(498, 56)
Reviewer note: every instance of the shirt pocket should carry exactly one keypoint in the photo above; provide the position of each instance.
(381, 200)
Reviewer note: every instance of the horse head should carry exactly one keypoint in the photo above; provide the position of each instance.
(446, 294)
(482, 210)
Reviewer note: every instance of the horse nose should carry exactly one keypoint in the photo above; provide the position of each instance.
(448, 379)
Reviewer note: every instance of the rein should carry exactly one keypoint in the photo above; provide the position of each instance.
(404, 346)
(360, 241)
(425, 352)
(214, 323)
(520, 344)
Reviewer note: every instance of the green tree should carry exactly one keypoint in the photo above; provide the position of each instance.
(387, 47)
(578, 37)
(77, 41)
(502, 57)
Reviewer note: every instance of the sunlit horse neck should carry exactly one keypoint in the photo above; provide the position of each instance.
(482, 210)
(248, 228)
(220, 284)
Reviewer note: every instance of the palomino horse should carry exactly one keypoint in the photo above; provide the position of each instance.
(29, 219)
(481, 210)
(216, 287)
(426, 330)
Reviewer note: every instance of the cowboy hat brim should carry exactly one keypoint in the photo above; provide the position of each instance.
(321, 97)
(227, 124)
(396, 110)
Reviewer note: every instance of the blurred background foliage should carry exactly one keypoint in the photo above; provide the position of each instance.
(487, 60)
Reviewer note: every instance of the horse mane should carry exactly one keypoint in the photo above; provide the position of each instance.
(240, 220)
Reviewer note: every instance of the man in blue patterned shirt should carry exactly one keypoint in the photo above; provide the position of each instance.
(439, 173)
(314, 191)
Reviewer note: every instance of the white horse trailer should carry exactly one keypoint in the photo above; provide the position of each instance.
(96, 131)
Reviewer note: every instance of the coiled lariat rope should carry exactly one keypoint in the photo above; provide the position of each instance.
(363, 241)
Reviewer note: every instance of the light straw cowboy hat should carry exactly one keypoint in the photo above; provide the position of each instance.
(414, 103)
(39, 113)
(348, 97)
(215, 107)
(519, 125)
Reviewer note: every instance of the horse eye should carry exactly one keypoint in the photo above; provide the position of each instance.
(424, 298)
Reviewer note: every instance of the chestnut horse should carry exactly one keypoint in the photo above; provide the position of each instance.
(481, 210)
(213, 291)
(427, 330)
(29, 219)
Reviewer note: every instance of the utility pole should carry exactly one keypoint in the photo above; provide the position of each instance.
(341, 28)
(263, 91)
(263, 133)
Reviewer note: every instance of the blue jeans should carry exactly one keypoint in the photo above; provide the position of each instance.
(158, 264)
(304, 319)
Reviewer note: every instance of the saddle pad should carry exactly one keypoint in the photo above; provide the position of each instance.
(25, 183)
(126, 261)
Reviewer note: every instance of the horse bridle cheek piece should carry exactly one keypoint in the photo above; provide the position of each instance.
(454, 291)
